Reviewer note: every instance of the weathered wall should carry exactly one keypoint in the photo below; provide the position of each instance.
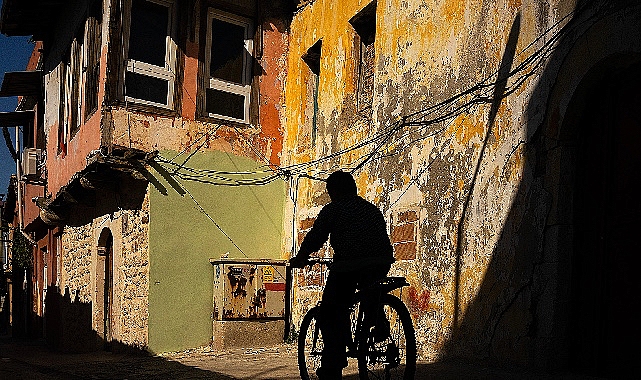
(81, 274)
(131, 306)
(62, 166)
(453, 156)
(425, 52)
(78, 245)
(165, 237)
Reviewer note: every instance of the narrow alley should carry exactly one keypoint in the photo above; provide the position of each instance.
(24, 359)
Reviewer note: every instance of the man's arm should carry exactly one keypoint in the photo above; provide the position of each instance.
(314, 239)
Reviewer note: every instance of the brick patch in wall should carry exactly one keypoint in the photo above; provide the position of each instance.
(405, 251)
(403, 235)
(407, 216)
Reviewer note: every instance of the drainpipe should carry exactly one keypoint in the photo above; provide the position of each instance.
(18, 177)
(19, 190)
(19, 186)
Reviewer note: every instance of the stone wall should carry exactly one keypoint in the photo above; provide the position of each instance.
(134, 283)
(81, 273)
(78, 247)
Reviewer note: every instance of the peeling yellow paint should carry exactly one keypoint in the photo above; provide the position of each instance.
(453, 10)
(467, 129)
(362, 180)
(406, 178)
(426, 51)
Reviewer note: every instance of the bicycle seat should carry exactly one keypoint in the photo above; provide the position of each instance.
(390, 283)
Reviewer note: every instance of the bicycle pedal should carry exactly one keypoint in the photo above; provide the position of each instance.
(392, 355)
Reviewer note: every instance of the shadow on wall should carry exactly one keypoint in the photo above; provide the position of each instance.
(67, 323)
(74, 348)
(116, 193)
(561, 289)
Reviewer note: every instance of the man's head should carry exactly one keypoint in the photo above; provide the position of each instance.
(340, 184)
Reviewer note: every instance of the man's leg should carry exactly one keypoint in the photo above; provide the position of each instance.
(334, 321)
(375, 315)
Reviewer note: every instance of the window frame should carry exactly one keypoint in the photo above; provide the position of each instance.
(166, 73)
(71, 94)
(364, 24)
(312, 59)
(211, 82)
(74, 96)
(91, 66)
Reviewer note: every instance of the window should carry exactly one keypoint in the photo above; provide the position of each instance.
(312, 59)
(228, 66)
(73, 89)
(365, 25)
(62, 125)
(92, 66)
(80, 65)
(69, 112)
(151, 54)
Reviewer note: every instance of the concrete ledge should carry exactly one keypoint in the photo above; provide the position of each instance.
(240, 334)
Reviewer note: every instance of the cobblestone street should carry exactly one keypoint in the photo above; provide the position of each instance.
(33, 361)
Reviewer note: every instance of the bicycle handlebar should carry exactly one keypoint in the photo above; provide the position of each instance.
(318, 260)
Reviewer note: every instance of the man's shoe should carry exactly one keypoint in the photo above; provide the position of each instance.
(329, 373)
(392, 355)
(381, 332)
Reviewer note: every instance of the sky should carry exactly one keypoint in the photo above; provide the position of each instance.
(14, 55)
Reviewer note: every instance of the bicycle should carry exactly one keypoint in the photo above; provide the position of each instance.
(392, 356)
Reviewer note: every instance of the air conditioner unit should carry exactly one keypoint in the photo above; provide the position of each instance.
(30, 160)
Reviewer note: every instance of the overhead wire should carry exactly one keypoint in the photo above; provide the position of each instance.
(532, 63)
(383, 143)
(202, 210)
(544, 51)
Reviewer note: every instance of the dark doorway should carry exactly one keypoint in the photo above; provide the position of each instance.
(606, 292)
(104, 286)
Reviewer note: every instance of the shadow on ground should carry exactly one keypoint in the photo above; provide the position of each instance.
(454, 370)
(29, 359)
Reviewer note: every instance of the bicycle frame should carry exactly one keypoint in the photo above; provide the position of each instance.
(377, 349)
(370, 298)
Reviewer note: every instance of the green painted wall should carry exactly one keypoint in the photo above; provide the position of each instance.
(183, 239)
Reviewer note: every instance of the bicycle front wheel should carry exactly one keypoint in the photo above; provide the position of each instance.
(388, 356)
(310, 345)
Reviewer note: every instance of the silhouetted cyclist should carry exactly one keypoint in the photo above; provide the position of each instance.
(362, 255)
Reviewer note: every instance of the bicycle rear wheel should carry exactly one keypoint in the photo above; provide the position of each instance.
(310, 345)
(390, 356)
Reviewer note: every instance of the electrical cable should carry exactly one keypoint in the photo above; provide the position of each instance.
(201, 209)
(409, 126)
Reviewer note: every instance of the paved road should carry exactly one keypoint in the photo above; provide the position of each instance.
(33, 361)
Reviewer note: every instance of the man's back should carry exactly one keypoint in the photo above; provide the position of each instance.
(357, 231)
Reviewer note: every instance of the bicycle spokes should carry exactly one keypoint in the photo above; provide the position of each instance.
(310, 346)
(389, 354)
